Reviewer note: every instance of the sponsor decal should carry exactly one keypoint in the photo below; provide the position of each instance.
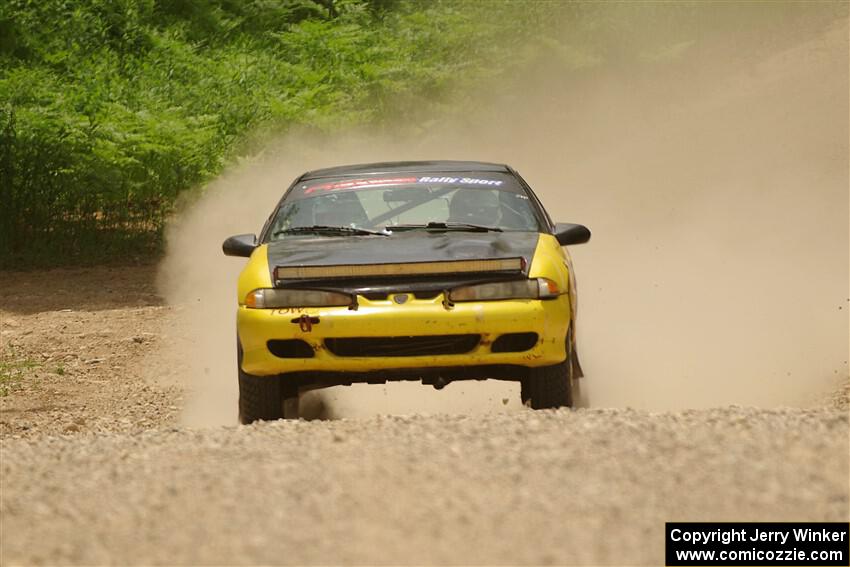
(356, 183)
(461, 180)
(387, 181)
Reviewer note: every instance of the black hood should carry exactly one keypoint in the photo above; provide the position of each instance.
(401, 247)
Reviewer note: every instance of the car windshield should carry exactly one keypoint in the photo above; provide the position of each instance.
(386, 204)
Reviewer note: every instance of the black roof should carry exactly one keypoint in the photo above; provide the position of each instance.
(444, 166)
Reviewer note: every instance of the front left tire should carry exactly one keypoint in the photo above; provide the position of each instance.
(548, 387)
(551, 387)
(264, 397)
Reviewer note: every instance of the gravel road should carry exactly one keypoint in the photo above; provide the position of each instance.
(74, 354)
(577, 487)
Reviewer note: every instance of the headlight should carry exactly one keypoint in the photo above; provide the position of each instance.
(274, 298)
(540, 288)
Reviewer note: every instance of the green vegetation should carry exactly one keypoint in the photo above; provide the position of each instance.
(111, 108)
(12, 369)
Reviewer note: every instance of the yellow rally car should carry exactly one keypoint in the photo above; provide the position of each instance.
(433, 271)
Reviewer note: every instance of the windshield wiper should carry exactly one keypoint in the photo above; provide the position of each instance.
(323, 229)
(460, 226)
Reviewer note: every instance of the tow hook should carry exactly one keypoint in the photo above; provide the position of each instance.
(305, 323)
(447, 304)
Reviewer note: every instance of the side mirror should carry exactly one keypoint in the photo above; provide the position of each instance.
(239, 245)
(568, 233)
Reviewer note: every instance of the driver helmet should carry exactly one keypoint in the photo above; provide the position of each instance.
(475, 206)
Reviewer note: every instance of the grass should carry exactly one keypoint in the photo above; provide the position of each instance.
(13, 368)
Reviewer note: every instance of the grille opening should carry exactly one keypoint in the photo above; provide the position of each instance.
(384, 295)
(290, 348)
(403, 346)
(377, 296)
(514, 342)
(428, 294)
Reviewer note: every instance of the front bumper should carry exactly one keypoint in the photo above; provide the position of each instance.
(549, 319)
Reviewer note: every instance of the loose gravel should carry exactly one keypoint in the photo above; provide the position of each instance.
(562, 487)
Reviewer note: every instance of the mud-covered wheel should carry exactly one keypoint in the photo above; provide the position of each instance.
(260, 397)
(551, 386)
(291, 401)
(548, 386)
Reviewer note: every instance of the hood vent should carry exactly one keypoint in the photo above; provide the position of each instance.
(400, 269)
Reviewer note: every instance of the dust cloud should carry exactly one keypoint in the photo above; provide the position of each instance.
(717, 193)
